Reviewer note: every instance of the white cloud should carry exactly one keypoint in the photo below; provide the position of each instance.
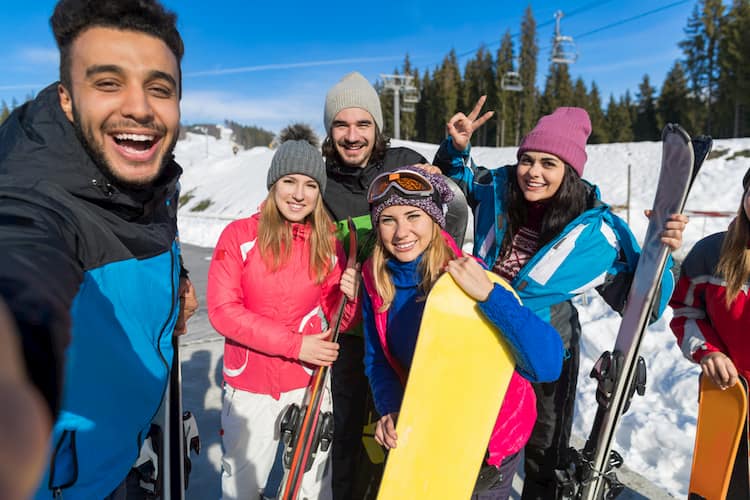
(281, 66)
(39, 55)
(26, 87)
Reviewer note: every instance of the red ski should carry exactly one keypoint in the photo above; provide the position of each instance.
(306, 429)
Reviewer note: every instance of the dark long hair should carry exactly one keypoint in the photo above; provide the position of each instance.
(376, 157)
(570, 201)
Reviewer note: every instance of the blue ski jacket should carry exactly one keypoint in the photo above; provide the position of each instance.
(595, 250)
(91, 270)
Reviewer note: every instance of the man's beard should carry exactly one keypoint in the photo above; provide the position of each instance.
(96, 153)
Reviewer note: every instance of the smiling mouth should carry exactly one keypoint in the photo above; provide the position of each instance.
(353, 146)
(137, 145)
(535, 185)
(405, 247)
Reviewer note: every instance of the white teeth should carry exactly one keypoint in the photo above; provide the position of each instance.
(134, 137)
(534, 184)
(405, 246)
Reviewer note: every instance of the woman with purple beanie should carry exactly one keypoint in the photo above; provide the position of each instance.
(542, 227)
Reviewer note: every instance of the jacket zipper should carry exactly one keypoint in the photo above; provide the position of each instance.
(164, 327)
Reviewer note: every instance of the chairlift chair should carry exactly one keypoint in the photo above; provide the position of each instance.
(410, 95)
(564, 50)
(511, 82)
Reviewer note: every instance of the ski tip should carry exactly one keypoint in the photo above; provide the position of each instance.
(672, 129)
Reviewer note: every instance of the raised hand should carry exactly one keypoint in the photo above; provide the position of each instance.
(318, 350)
(460, 127)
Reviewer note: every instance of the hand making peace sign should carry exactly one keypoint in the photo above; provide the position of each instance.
(460, 127)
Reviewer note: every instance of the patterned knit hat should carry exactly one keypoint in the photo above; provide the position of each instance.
(297, 157)
(435, 205)
(353, 91)
(563, 134)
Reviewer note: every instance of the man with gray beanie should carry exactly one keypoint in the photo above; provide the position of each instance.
(356, 151)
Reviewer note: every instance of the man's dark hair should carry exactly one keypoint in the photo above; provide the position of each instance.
(382, 143)
(72, 17)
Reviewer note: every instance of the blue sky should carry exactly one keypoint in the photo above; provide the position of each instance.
(268, 63)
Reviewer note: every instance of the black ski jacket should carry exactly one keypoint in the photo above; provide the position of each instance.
(91, 269)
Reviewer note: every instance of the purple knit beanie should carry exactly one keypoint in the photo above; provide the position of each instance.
(563, 134)
(427, 203)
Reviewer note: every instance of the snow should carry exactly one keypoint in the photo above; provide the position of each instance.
(656, 435)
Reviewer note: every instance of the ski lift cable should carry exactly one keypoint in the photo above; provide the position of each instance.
(622, 21)
(572, 13)
(596, 30)
(634, 18)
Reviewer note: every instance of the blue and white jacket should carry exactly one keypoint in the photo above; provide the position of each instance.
(595, 250)
(90, 273)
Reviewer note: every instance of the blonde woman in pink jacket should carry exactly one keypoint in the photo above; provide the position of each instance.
(273, 285)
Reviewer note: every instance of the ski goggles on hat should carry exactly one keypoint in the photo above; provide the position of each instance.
(408, 183)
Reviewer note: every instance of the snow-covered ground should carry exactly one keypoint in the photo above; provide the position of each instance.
(656, 435)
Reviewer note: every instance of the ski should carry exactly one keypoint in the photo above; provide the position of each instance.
(622, 372)
(173, 468)
(305, 429)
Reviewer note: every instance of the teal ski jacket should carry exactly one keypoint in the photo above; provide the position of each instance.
(595, 250)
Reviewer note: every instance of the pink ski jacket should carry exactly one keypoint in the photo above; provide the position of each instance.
(263, 314)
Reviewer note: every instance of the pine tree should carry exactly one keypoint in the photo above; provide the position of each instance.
(734, 64)
(448, 88)
(631, 108)
(599, 130)
(408, 118)
(425, 100)
(580, 94)
(645, 127)
(558, 89)
(618, 123)
(479, 80)
(506, 110)
(701, 51)
(527, 68)
(674, 101)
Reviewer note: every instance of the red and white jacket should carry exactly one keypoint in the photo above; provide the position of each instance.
(702, 323)
(263, 314)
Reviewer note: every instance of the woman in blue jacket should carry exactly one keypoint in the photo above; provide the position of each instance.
(542, 227)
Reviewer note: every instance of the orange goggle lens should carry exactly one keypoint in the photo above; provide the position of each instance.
(408, 183)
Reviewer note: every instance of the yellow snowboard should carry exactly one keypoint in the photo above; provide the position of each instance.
(722, 416)
(457, 382)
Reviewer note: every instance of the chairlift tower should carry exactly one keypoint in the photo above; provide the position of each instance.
(563, 47)
(401, 84)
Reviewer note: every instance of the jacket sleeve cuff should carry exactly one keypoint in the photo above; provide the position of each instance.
(703, 351)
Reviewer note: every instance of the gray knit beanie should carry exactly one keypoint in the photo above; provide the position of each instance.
(353, 91)
(297, 157)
